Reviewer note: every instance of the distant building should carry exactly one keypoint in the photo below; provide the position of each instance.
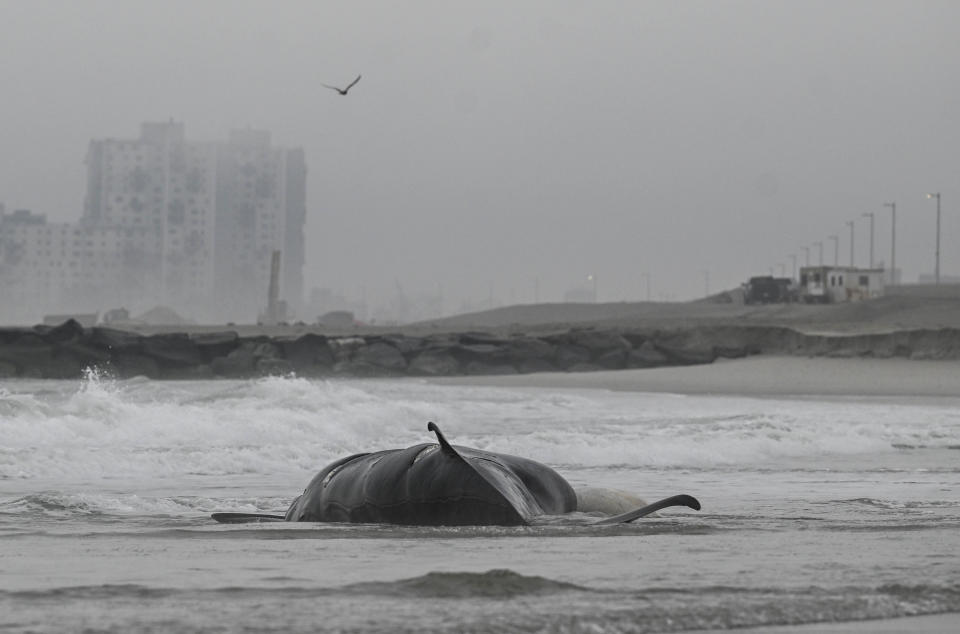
(260, 208)
(189, 225)
(766, 289)
(829, 284)
(55, 266)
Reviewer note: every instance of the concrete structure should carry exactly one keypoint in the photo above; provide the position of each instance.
(828, 284)
(166, 221)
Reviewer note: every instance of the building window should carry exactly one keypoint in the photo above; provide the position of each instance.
(864, 280)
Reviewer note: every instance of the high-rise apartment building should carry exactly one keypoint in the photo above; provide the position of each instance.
(260, 207)
(196, 222)
(159, 191)
(166, 221)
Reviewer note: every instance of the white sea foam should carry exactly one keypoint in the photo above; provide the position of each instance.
(104, 429)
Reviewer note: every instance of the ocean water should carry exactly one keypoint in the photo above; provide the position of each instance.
(814, 510)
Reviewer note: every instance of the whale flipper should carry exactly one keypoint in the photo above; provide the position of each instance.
(629, 516)
(245, 518)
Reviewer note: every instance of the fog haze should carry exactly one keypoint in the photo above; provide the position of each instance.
(514, 148)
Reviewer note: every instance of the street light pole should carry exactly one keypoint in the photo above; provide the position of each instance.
(820, 252)
(806, 251)
(836, 250)
(893, 241)
(793, 256)
(869, 215)
(936, 270)
(850, 224)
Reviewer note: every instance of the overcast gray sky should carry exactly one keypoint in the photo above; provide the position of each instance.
(494, 143)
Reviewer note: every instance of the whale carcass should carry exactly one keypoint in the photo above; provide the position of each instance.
(438, 484)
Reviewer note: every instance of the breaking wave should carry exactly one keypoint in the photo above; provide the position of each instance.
(102, 429)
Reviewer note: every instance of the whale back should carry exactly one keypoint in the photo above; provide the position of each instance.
(433, 485)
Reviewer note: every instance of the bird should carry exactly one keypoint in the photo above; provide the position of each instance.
(343, 91)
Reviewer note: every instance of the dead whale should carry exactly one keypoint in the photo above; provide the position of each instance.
(437, 484)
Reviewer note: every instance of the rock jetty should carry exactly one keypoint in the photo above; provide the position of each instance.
(67, 350)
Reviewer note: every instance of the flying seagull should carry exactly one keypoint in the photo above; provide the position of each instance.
(343, 91)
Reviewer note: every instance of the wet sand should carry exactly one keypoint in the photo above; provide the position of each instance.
(928, 624)
(757, 376)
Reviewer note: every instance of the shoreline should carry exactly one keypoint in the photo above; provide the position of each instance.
(761, 375)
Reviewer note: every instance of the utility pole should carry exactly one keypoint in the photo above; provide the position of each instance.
(936, 270)
(820, 252)
(793, 256)
(893, 241)
(869, 215)
(836, 250)
(850, 224)
(806, 251)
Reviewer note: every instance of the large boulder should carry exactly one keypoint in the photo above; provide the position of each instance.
(86, 354)
(240, 362)
(64, 365)
(309, 354)
(215, 344)
(646, 356)
(343, 348)
(434, 362)
(688, 355)
(67, 331)
(599, 341)
(174, 349)
(408, 346)
(115, 340)
(129, 364)
(28, 353)
(491, 354)
(569, 355)
(530, 354)
(381, 355)
(612, 359)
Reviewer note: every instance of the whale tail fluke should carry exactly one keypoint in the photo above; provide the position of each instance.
(629, 516)
(246, 518)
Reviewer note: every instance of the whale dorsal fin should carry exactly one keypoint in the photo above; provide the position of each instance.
(444, 445)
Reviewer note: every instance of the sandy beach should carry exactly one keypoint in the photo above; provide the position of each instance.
(758, 376)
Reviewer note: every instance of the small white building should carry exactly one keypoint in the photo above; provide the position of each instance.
(830, 284)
